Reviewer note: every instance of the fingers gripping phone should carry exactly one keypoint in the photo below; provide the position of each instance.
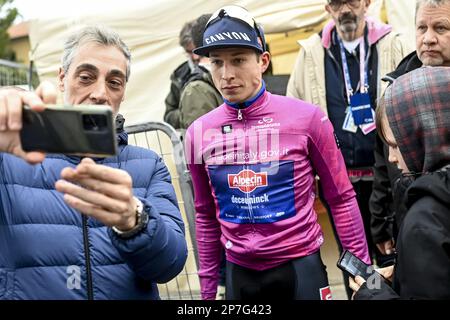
(354, 266)
(86, 130)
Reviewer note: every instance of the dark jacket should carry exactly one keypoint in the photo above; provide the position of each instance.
(198, 97)
(423, 265)
(178, 80)
(46, 247)
(384, 208)
(357, 148)
(418, 114)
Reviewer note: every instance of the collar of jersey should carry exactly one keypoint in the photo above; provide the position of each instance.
(249, 102)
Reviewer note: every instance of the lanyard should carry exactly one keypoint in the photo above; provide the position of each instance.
(362, 72)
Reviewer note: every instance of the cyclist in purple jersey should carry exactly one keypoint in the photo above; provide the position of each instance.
(253, 161)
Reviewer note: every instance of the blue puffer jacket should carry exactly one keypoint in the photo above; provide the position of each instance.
(50, 251)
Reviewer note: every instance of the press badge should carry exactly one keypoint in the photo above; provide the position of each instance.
(369, 127)
(349, 124)
(361, 110)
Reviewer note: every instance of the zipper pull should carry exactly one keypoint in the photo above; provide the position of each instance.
(239, 114)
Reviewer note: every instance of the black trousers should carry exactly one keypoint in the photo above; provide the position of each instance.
(303, 278)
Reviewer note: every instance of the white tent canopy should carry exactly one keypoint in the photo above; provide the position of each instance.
(151, 32)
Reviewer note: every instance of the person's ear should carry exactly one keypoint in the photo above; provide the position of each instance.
(265, 61)
(328, 8)
(61, 76)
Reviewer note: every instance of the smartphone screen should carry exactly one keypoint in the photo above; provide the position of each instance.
(353, 265)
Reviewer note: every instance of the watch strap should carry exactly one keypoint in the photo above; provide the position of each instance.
(142, 219)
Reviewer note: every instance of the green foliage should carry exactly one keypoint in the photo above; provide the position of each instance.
(7, 16)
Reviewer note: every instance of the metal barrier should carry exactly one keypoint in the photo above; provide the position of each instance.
(13, 74)
(164, 140)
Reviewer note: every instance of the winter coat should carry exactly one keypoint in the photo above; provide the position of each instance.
(50, 251)
(178, 80)
(418, 114)
(387, 209)
(198, 97)
(422, 270)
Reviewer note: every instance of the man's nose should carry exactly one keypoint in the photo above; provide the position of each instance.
(98, 94)
(227, 72)
(429, 37)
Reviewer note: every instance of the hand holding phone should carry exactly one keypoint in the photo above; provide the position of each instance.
(86, 130)
(12, 101)
(351, 264)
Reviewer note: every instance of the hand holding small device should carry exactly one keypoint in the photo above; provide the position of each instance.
(12, 100)
(80, 130)
(354, 266)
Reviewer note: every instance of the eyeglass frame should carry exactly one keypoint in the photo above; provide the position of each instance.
(342, 2)
(257, 27)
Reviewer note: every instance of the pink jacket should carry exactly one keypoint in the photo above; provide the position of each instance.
(254, 185)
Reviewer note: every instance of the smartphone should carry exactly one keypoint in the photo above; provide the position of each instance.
(355, 266)
(84, 130)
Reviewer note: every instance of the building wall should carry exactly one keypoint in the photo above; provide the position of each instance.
(21, 46)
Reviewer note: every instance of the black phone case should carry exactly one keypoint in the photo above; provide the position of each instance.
(70, 130)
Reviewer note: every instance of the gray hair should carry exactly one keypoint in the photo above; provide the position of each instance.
(185, 37)
(97, 34)
(430, 3)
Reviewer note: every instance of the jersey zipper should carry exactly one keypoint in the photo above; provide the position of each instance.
(87, 256)
(250, 209)
(246, 167)
(240, 115)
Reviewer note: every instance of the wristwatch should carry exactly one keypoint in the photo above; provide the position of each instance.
(141, 222)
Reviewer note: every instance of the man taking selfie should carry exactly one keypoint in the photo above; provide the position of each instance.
(81, 228)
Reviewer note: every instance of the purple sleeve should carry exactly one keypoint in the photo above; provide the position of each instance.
(330, 166)
(207, 226)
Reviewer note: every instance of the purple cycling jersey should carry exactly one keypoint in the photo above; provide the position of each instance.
(253, 173)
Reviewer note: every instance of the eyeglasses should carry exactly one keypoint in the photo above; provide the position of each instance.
(337, 4)
(241, 14)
